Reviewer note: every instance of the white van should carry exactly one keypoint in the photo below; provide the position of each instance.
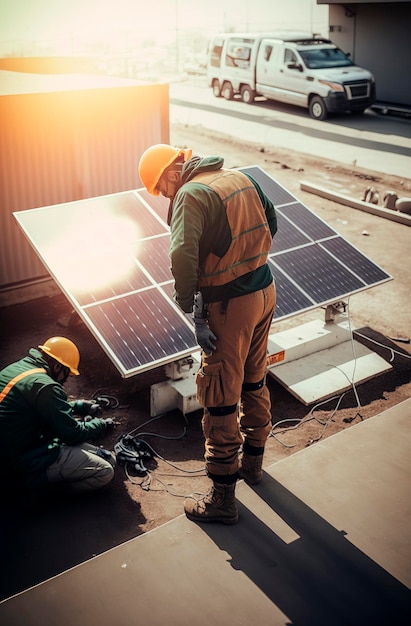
(295, 68)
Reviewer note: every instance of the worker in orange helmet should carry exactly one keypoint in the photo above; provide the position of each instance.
(41, 441)
(221, 227)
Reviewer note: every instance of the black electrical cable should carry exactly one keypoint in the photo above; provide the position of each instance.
(382, 345)
(110, 401)
(150, 475)
(338, 398)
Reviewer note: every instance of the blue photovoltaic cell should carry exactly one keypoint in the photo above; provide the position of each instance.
(134, 281)
(168, 289)
(318, 273)
(142, 328)
(290, 297)
(307, 221)
(40, 223)
(159, 204)
(153, 256)
(287, 236)
(148, 224)
(276, 192)
(119, 281)
(352, 258)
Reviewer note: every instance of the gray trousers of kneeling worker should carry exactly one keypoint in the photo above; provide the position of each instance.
(81, 468)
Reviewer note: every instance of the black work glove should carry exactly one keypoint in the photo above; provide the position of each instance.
(84, 408)
(109, 424)
(204, 335)
(105, 454)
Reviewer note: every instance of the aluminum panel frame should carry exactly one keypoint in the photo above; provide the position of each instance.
(134, 317)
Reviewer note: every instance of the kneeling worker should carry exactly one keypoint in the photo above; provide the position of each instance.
(41, 442)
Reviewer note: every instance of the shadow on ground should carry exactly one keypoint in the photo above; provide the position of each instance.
(53, 532)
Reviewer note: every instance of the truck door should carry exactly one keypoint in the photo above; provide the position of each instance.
(267, 66)
(292, 78)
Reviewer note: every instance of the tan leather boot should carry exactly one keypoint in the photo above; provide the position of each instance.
(251, 468)
(218, 505)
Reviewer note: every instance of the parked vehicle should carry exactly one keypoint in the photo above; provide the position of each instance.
(296, 68)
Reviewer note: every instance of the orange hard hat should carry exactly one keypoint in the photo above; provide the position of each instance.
(64, 351)
(155, 160)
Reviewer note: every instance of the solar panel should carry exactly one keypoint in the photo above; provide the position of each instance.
(109, 255)
(306, 221)
(142, 328)
(317, 273)
(312, 264)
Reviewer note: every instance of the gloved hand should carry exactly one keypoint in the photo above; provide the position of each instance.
(204, 335)
(105, 454)
(85, 408)
(109, 424)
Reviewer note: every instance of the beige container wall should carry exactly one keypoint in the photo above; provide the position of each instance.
(61, 146)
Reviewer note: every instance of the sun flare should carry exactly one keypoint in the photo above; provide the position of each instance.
(94, 253)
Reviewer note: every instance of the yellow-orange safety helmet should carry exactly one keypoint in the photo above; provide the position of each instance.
(155, 160)
(64, 351)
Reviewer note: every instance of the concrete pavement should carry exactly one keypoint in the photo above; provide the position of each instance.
(324, 539)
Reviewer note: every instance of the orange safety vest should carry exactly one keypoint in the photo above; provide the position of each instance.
(251, 236)
(13, 381)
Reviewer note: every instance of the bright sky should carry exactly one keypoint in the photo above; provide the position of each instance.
(53, 19)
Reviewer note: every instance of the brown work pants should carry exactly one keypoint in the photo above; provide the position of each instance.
(229, 376)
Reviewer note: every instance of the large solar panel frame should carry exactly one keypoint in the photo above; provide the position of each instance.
(133, 316)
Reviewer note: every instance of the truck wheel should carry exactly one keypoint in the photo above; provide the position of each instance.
(227, 91)
(216, 89)
(247, 94)
(318, 110)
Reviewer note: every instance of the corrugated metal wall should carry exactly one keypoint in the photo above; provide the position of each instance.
(67, 145)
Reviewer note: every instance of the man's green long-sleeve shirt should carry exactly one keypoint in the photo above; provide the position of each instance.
(199, 226)
(35, 419)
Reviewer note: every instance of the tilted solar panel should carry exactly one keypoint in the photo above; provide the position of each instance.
(312, 264)
(141, 328)
(109, 255)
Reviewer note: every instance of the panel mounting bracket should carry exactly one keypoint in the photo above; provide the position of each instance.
(334, 311)
(180, 368)
(179, 391)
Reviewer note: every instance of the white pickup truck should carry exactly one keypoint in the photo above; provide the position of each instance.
(297, 68)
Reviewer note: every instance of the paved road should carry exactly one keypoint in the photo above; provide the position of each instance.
(376, 142)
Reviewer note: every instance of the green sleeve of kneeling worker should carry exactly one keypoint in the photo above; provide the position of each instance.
(58, 419)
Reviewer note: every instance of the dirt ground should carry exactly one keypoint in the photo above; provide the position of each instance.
(48, 535)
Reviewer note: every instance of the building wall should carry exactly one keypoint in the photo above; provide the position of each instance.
(61, 146)
(377, 34)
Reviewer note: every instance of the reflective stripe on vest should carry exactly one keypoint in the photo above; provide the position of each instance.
(250, 232)
(10, 385)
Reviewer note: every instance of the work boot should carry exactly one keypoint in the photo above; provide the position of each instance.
(251, 468)
(218, 505)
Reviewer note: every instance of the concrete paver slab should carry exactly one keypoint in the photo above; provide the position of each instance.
(324, 540)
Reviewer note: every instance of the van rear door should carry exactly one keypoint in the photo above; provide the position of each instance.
(237, 61)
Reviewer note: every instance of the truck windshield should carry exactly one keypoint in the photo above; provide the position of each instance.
(324, 57)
